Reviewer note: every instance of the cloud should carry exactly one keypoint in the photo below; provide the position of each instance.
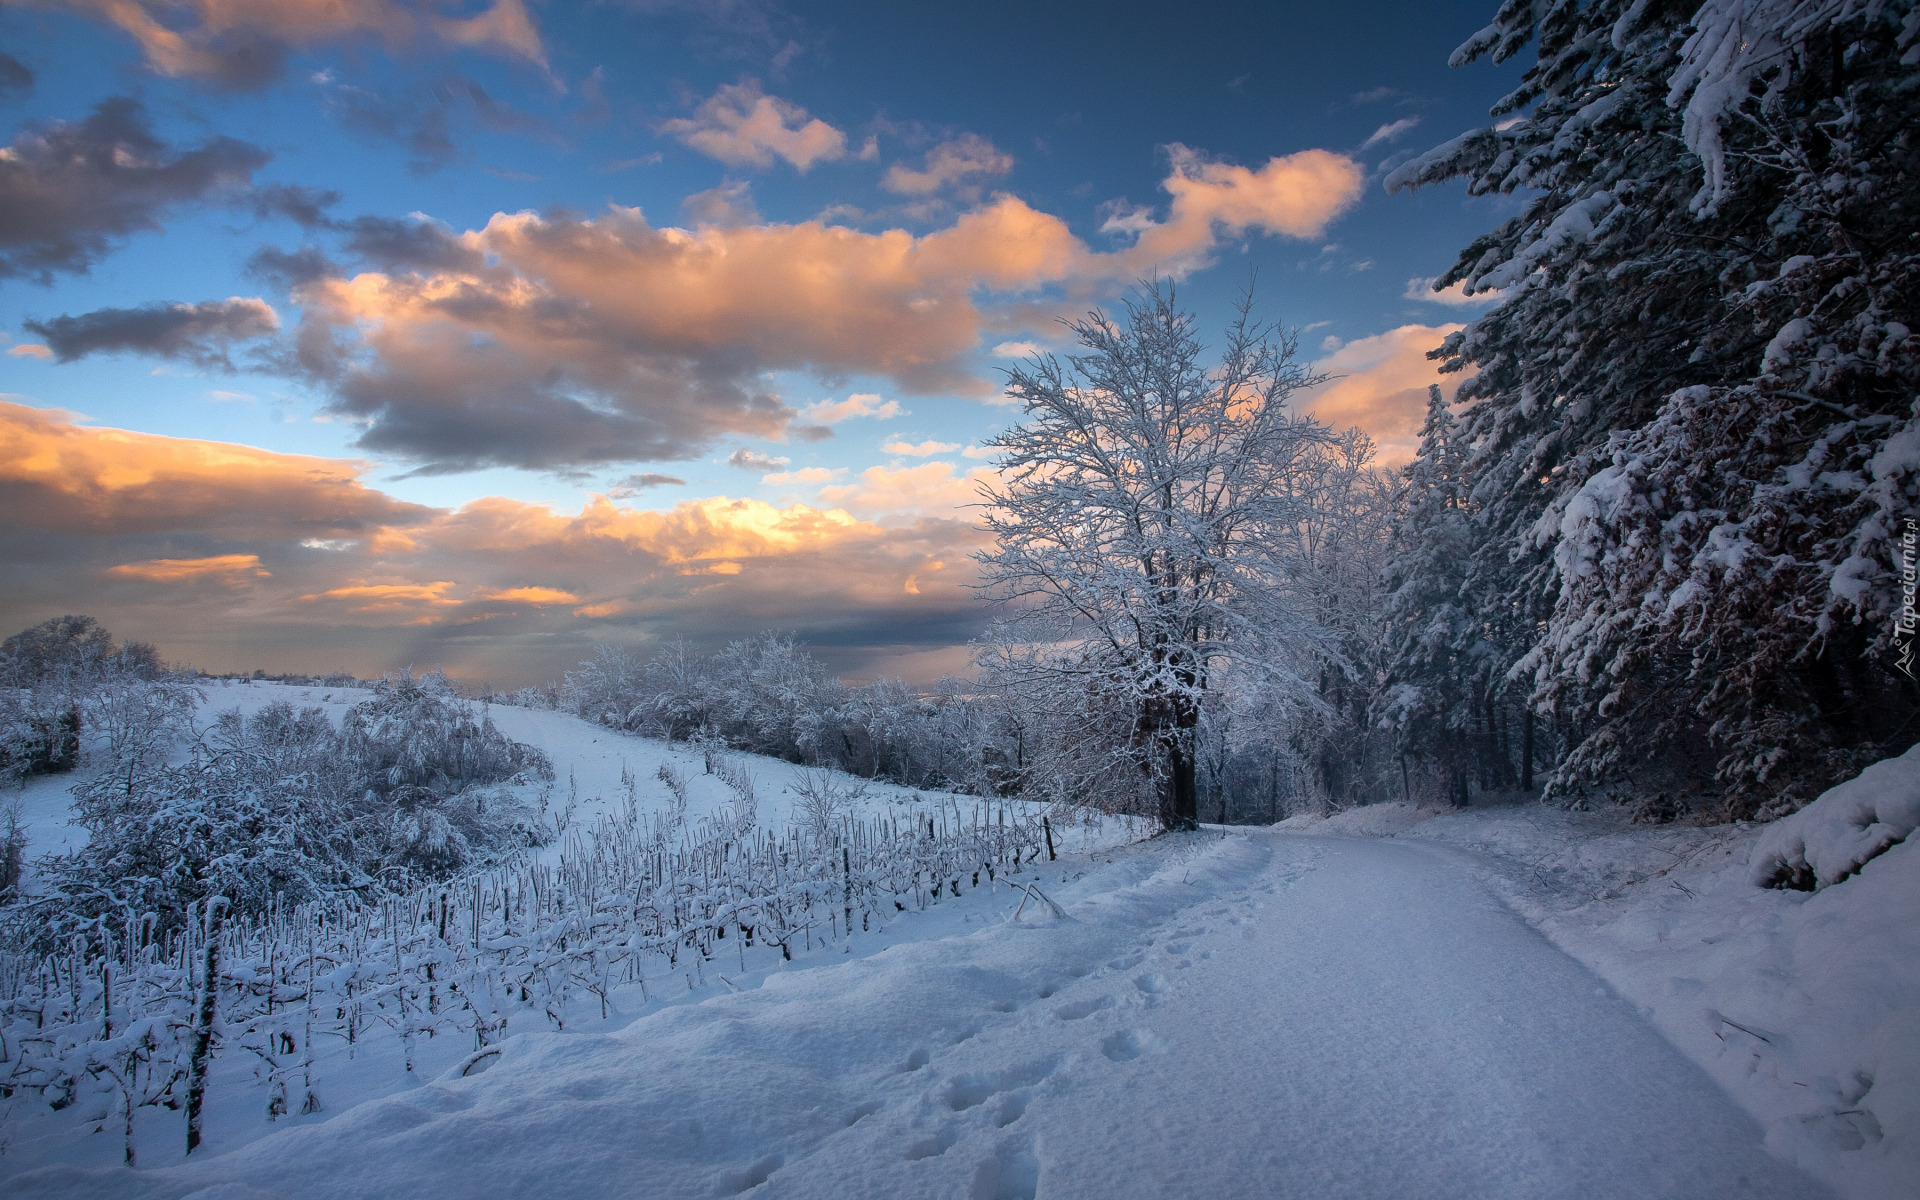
(68, 192)
(527, 595)
(725, 206)
(299, 566)
(637, 483)
(290, 268)
(1018, 349)
(15, 76)
(554, 340)
(1421, 288)
(412, 603)
(859, 404)
(244, 43)
(197, 333)
(29, 350)
(742, 126)
(950, 163)
(753, 460)
(1389, 132)
(231, 569)
(1383, 387)
(56, 474)
(304, 206)
(413, 244)
(607, 340)
(1293, 196)
(805, 475)
(919, 450)
(933, 487)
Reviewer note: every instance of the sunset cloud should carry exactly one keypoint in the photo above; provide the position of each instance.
(860, 404)
(1453, 296)
(963, 159)
(228, 567)
(300, 565)
(934, 487)
(552, 340)
(244, 43)
(1382, 387)
(57, 474)
(743, 126)
(1293, 196)
(919, 449)
(528, 595)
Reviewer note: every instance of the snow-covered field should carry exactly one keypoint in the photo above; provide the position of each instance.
(1357, 1007)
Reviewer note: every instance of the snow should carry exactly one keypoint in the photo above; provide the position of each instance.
(1512, 1002)
(1800, 1005)
(1248, 1013)
(1832, 838)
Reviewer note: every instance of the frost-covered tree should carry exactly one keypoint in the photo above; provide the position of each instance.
(1142, 529)
(50, 676)
(1691, 439)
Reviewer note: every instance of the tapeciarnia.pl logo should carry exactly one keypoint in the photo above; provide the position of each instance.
(1904, 624)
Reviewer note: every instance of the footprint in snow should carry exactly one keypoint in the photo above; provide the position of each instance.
(1011, 1172)
(1152, 983)
(745, 1179)
(934, 1146)
(977, 1087)
(1079, 1009)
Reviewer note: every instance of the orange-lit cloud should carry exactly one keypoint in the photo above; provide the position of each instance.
(228, 567)
(743, 126)
(550, 340)
(963, 159)
(528, 595)
(241, 42)
(859, 404)
(1293, 196)
(919, 449)
(1382, 387)
(933, 487)
(57, 474)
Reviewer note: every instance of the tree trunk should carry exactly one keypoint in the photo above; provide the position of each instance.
(202, 1052)
(1183, 801)
(1526, 752)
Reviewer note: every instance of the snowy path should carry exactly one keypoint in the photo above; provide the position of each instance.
(1250, 1015)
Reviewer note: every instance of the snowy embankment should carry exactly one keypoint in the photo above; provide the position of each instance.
(1803, 1005)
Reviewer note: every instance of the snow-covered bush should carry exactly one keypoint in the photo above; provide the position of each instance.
(635, 902)
(52, 680)
(1832, 838)
(283, 807)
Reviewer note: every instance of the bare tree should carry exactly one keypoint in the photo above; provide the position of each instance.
(1144, 526)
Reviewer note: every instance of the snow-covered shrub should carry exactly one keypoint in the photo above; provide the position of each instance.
(825, 799)
(39, 735)
(261, 811)
(425, 756)
(1832, 838)
(416, 734)
(632, 903)
(52, 680)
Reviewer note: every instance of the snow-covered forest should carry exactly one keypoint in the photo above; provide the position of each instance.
(1605, 700)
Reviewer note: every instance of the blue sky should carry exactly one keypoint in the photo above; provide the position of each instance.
(522, 264)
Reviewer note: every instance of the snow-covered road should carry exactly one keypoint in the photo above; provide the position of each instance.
(1254, 1014)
